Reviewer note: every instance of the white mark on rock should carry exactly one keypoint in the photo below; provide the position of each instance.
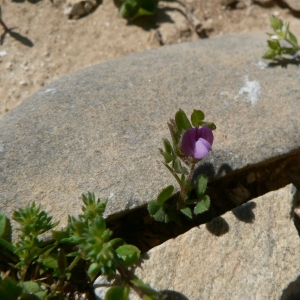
(261, 65)
(49, 90)
(252, 88)
(3, 53)
(103, 106)
(111, 196)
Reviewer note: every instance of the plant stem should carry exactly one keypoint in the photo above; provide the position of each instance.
(184, 189)
(127, 276)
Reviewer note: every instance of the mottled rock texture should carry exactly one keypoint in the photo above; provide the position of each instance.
(99, 129)
(250, 253)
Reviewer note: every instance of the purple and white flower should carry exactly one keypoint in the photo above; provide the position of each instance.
(197, 142)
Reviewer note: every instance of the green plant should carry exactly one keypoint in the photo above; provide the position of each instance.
(281, 33)
(132, 9)
(189, 145)
(44, 270)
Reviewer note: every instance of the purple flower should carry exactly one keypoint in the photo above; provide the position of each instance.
(196, 142)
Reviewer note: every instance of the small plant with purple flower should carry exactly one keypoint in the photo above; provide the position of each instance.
(191, 142)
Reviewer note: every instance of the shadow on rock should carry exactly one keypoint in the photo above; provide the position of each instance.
(292, 292)
(217, 226)
(208, 170)
(173, 295)
(244, 212)
(284, 62)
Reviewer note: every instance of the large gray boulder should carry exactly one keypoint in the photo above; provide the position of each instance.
(250, 253)
(99, 129)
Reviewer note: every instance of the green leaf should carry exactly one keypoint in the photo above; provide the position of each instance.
(202, 205)
(293, 39)
(116, 292)
(210, 125)
(273, 44)
(276, 23)
(172, 216)
(165, 194)
(50, 261)
(117, 242)
(9, 289)
(59, 235)
(129, 254)
(30, 286)
(168, 157)
(201, 186)
(156, 211)
(2, 224)
(93, 270)
(168, 146)
(197, 117)
(182, 122)
(178, 168)
(270, 54)
(187, 211)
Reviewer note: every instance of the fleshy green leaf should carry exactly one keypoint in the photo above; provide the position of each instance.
(30, 286)
(129, 254)
(201, 186)
(292, 38)
(202, 206)
(9, 289)
(197, 117)
(116, 292)
(51, 261)
(273, 44)
(144, 287)
(165, 194)
(182, 122)
(156, 211)
(117, 242)
(276, 23)
(187, 211)
(2, 224)
(270, 54)
(59, 235)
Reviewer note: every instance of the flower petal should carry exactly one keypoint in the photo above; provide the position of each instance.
(202, 148)
(188, 141)
(205, 133)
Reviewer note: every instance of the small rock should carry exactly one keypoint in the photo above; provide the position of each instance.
(293, 4)
(265, 3)
(228, 2)
(76, 9)
(238, 195)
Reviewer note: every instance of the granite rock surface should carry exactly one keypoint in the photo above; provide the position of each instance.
(99, 129)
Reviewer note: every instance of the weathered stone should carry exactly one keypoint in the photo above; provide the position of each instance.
(293, 4)
(99, 129)
(77, 8)
(249, 253)
(265, 3)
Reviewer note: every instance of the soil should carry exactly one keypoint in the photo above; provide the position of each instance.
(44, 44)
